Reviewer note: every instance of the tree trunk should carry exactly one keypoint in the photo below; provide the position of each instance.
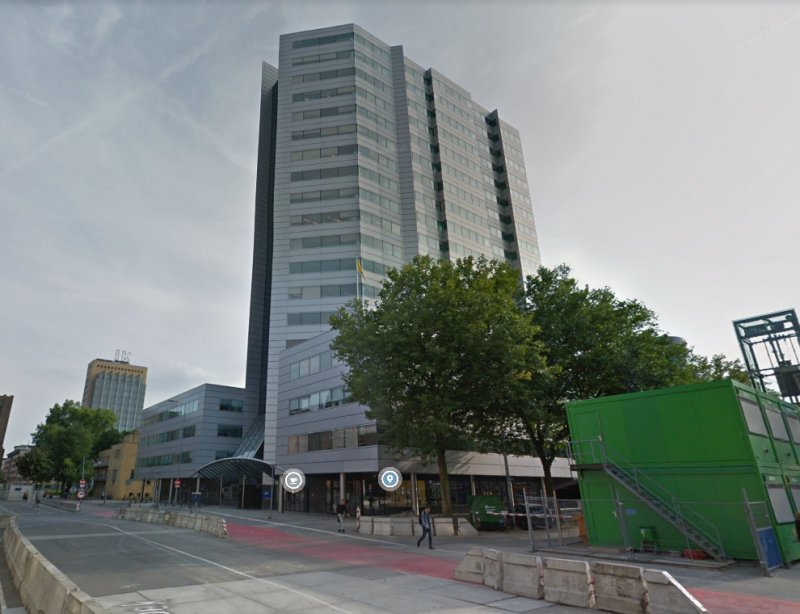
(444, 480)
(547, 463)
(548, 477)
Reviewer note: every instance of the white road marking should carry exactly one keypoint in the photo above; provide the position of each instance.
(231, 570)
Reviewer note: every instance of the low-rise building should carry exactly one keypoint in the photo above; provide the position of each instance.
(192, 429)
(16, 485)
(114, 475)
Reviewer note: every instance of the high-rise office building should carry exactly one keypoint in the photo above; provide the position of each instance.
(116, 385)
(365, 160)
(6, 400)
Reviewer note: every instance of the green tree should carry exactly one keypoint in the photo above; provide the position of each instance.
(68, 438)
(595, 344)
(106, 439)
(35, 465)
(430, 357)
(704, 369)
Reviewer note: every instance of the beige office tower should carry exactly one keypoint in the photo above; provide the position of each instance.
(119, 386)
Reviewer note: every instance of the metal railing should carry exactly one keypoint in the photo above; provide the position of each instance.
(595, 452)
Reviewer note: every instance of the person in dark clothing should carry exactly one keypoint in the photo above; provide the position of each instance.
(427, 524)
(341, 511)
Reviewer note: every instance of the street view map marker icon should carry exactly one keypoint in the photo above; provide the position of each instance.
(390, 479)
(293, 480)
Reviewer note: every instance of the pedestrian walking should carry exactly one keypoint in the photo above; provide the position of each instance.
(341, 511)
(358, 518)
(427, 524)
(36, 501)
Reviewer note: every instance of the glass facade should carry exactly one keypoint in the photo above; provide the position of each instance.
(366, 157)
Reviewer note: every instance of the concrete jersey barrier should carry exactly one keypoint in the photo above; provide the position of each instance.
(619, 588)
(611, 587)
(568, 582)
(665, 595)
(470, 569)
(522, 575)
(206, 523)
(42, 587)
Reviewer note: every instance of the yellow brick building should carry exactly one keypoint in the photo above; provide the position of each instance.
(114, 473)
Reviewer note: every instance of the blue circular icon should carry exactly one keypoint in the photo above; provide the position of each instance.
(390, 479)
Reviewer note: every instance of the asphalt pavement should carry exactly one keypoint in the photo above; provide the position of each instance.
(300, 563)
(291, 563)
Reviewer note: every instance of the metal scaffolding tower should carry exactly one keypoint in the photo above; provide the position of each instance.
(770, 345)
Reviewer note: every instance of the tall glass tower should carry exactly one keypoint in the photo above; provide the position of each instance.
(367, 159)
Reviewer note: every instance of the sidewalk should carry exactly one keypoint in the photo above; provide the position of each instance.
(737, 589)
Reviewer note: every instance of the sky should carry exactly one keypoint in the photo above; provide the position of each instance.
(662, 145)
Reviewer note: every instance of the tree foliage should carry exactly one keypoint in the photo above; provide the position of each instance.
(704, 369)
(463, 356)
(69, 440)
(431, 356)
(35, 466)
(594, 344)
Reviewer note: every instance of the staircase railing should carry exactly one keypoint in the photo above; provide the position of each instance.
(595, 452)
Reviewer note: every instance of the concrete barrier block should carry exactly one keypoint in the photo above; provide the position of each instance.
(42, 587)
(402, 526)
(46, 589)
(366, 526)
(568, 582)
(493, 568)
(93, 607)
(465, 528)
(665, 595)
(75, 602)
(15, 553)
(619, 588)
(522, 575)
(381, 526)
(443, 527)
(470, 569)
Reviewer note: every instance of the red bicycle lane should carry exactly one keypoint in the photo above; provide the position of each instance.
(719, 602)
(343, 551)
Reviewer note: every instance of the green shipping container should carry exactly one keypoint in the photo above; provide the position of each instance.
(680, 461)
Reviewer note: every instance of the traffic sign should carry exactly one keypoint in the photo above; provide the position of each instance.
(82, 483)
(390, 479)
(81, 494)
(177, 483)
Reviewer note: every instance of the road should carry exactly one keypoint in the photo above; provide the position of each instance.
(263, 566)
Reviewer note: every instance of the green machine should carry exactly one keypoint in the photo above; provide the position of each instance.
(709, 469)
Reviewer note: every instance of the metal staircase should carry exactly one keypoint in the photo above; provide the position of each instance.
(695, 527)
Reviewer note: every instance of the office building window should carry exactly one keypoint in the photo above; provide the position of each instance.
(226, 430)
(231, 405)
